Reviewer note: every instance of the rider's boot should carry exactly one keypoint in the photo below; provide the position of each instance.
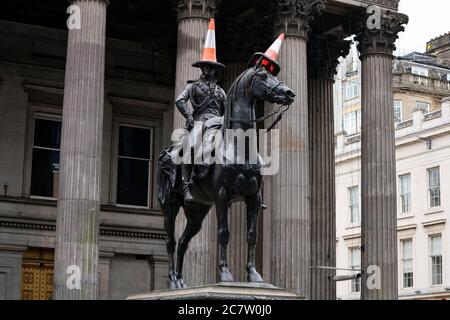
(186, 172)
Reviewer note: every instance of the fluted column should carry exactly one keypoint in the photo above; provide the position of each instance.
(237, 213)
(323, 54)
(378, 190)
(200, 264)
(77, 225)
(290, 225)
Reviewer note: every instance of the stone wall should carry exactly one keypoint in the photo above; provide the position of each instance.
(31, 80)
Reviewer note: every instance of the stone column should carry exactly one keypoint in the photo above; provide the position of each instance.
(378, 176)
(323, 54)
(290, 225)
(200, 264)
(77, 225)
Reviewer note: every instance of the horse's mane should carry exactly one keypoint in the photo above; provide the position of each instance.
(240, 87)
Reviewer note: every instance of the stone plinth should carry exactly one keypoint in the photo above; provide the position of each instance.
(221, 291)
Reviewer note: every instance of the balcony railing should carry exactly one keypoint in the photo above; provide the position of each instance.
(432, 115)
(423, 84)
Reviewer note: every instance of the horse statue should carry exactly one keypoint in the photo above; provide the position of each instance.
(223, 183)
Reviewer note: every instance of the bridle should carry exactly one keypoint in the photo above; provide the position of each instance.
(281, 109)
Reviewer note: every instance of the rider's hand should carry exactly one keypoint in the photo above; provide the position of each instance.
(189, 122)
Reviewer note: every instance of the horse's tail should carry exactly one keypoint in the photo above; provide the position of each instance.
(167, 173)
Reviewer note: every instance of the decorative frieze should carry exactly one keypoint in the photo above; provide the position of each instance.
(27, 225)
(294, 17)
(132, 234)
(103, 231)
(196, 8)
(378, 38)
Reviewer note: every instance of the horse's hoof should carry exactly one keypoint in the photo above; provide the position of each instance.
(181, 284)
(254, 277)
(173, 284)
(226, 277)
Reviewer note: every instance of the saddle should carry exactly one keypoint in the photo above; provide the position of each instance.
(199, 171)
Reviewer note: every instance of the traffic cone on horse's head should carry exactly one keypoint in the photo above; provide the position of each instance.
(269, 58)
(209, 50)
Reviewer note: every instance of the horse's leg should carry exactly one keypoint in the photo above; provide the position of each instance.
(195, 215)
(253, 207)
(170, 214)
(222, 202)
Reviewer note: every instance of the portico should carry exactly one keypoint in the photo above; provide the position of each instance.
(117, 73)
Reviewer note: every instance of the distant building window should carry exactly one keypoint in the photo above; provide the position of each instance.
(425, 106)
(420, 71)
(352, 122)
(407, 263)
(45, 157)
(405, 193)
(423, 73)
(353, 195)
(434, 187)
(355, 263)
(133, 166)
(351, 89)
(398, 110)
(436, 259)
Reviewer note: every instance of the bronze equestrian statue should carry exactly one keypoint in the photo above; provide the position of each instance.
(220, 184)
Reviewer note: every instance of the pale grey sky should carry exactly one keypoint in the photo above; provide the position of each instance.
(427, 19)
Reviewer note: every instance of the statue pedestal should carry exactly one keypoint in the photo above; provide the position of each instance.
(221, 291)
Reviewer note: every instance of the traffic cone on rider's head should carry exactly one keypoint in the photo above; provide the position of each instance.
(269, 58)
(209, 50)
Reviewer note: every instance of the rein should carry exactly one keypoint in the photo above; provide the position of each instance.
(280, 110)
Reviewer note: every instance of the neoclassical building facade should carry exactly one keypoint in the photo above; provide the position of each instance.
(85, 111)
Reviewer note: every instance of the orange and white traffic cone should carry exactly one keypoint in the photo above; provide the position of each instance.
(269, 58)
(209, 56)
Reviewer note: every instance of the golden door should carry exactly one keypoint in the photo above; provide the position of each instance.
(37, 274)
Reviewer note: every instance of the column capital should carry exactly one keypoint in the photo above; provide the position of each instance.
(323, 55)
(204, 9)
(378, 39)
(294, 17)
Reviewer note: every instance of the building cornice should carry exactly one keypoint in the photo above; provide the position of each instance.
(391, 4)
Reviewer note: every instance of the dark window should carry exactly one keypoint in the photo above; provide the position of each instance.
(434, 187)
(133, 166)
(45, 161)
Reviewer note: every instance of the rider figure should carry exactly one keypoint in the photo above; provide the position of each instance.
(207, 99)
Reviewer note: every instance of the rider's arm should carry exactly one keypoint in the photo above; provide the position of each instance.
(181, 102)
(223, 102)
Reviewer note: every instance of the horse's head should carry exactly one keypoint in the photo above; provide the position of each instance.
(268, 88)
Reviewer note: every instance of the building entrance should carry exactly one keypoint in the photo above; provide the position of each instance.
(37, 274)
